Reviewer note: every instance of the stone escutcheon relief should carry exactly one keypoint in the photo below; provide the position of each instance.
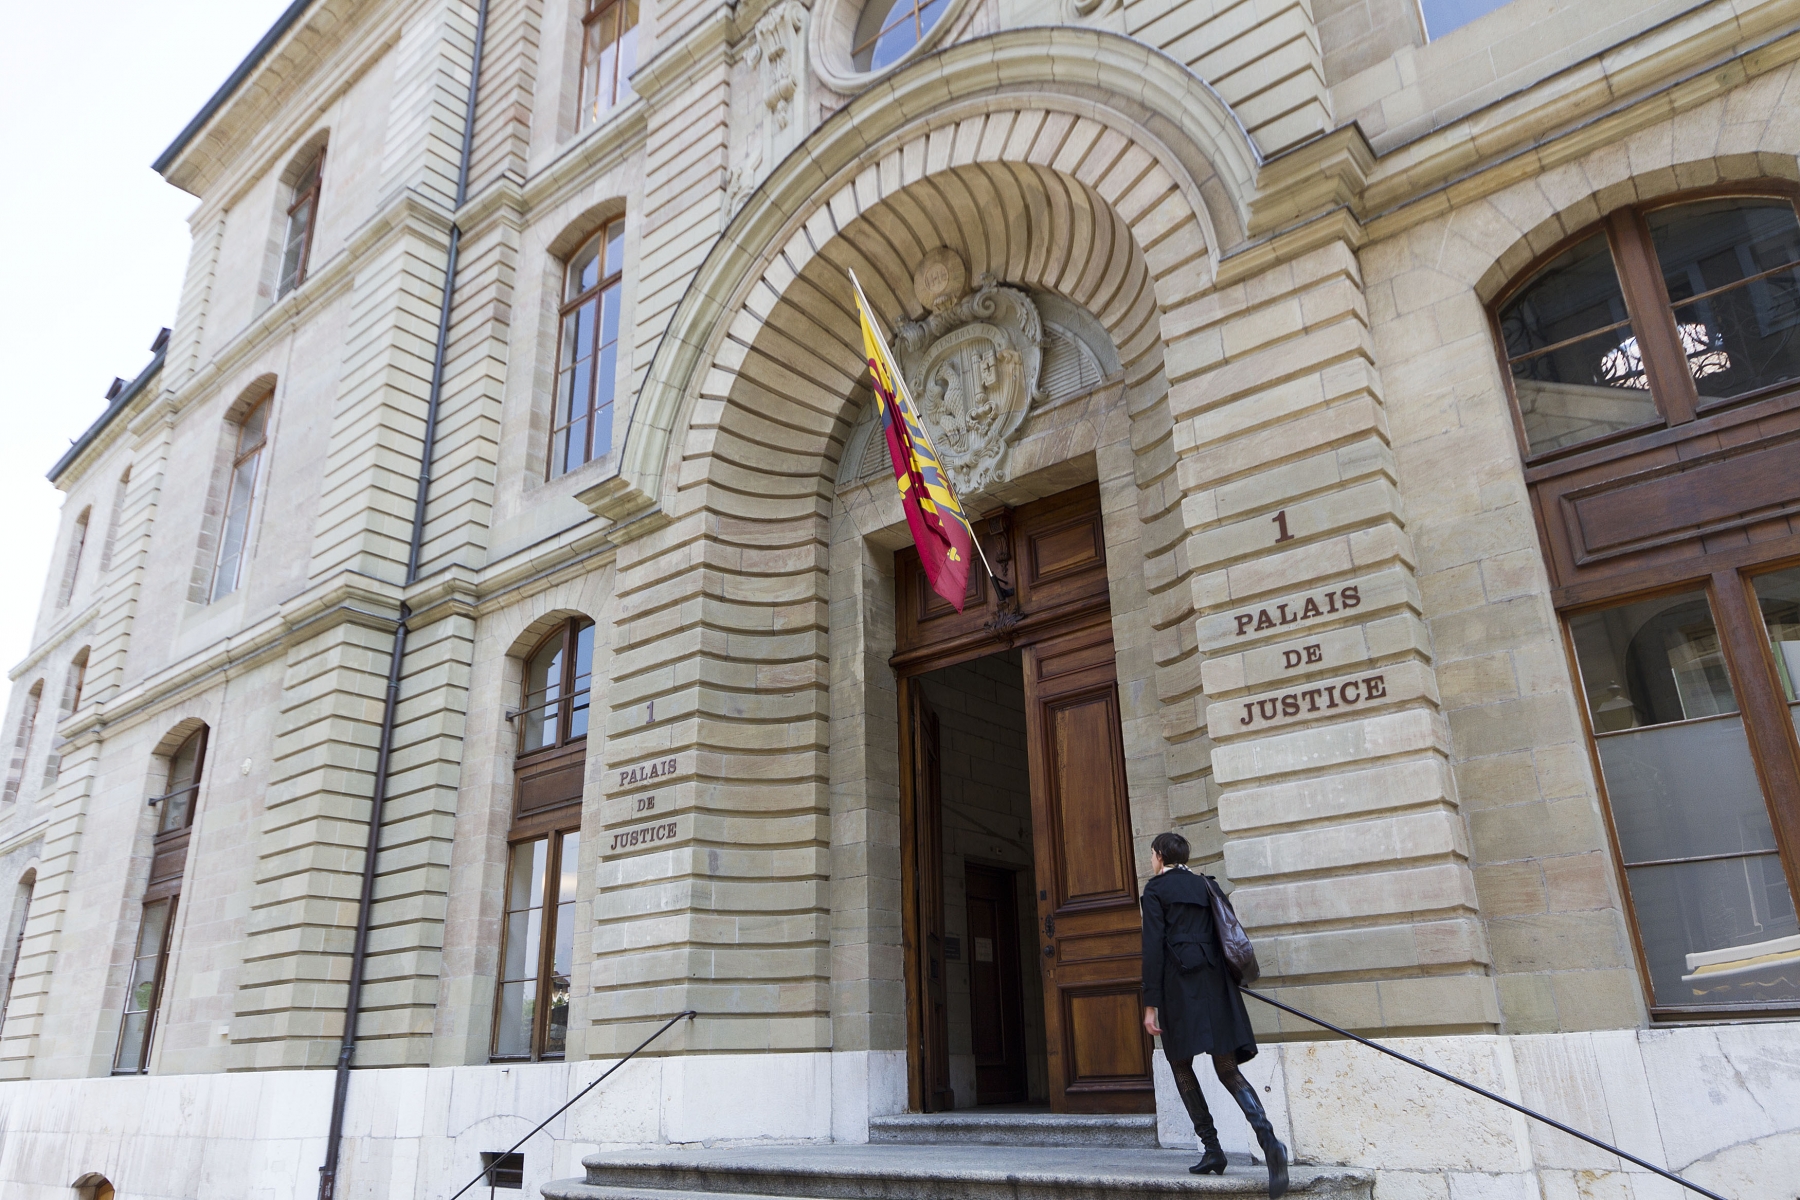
(972, 365)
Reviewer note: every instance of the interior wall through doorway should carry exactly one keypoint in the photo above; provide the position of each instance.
(986, 819)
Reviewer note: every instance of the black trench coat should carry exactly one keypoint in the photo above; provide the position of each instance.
(1185, 976)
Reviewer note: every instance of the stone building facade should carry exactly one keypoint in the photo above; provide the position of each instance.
(1337, 466)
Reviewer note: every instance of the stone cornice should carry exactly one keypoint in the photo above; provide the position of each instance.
(1631, 85)
(320, 55)
(345, 598)
(65, 630)
(408, 213)
(31, 833)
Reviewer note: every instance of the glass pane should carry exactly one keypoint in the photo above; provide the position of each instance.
(512, 1026)
(1743, 338)
(1681, 791)
(1652, 662)
(584, 326)
(615, 233)
(581, 388)
(577, 449)
(520, 960)
(250, 434)
(184, 764)
(571, 861)
(1778, 595)
(294, 251)
(1441, 16)
(131, 1042)
(877, 15)
(584, 678)
(570, 351)
(237, 526)
(1720, 932)
(1583, 390)
(627, 63)
(1572, 387)
(609, 324)
(557, 1033)
(543, 690)
(584, 273)
(526, 888)
(1682, 786)
(150, 932)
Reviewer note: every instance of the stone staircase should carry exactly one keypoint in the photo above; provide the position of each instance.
(968, 1156)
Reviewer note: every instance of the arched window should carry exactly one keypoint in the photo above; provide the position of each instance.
(168, 862)
(234, 531)
(588, 351)
(72, 560)
(76, 681)
(608, 57)
(1654, 364)
(112, 523)
(28, 715)
(302, 220)
(531, 1017)
(21, 913)
(1653, 318)
(888, 29)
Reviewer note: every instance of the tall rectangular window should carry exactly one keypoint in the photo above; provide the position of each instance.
(302, 217)
(537, 948)
(588, 352)
(1703, 869)
(72, 562)
(235, 530)
(168, 863)
(15, 775)
(608, 56)
(145, 989)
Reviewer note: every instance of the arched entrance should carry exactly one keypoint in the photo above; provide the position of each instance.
(756, 612)
(1079, 957)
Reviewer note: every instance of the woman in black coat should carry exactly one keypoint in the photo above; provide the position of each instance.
(1192, 1001)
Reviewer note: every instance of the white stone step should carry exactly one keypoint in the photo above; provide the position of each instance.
(1016, 1128)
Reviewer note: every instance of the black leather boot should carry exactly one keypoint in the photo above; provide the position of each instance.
(1212, 1162)
(1273, 1150)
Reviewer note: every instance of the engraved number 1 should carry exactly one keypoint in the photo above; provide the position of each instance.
(1280, 520)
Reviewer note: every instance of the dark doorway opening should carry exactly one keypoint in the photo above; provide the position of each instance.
(993, 1013)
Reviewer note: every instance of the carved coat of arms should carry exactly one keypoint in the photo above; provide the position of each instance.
(972, 365)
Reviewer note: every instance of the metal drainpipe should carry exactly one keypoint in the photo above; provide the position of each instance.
(340, 1092)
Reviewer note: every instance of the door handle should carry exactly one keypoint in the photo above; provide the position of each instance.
(1050, 951)
(1050, 925)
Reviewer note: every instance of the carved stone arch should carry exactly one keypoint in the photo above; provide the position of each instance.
(1135, 127)
(302, 157)
(255, 392)
(579, 228)
(540, 627)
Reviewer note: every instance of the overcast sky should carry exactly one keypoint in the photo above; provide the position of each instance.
(92, 242)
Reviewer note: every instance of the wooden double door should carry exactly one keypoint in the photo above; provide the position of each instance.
(1052, 553)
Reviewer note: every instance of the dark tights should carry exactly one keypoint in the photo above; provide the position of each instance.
(1225, 1066)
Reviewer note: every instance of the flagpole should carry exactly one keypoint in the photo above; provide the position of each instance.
(905, 397)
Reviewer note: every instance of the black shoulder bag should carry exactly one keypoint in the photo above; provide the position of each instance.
(1239, 953)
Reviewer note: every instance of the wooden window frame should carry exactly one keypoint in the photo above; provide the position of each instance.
(239, 456)
(588, 109)
(613, 277)
(569, 633)
(556, 831)
(1652, 317)
(156, 992)
(307, 197)
(1722, 565)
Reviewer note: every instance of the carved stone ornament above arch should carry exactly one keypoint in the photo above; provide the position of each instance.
(1119, 120)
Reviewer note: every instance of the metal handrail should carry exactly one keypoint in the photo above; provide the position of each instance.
(488, 1170)
(1481, 1091)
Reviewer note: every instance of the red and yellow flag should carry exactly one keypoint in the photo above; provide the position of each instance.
(939, 529)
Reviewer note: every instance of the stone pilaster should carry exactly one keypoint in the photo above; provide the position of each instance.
(1339, 816)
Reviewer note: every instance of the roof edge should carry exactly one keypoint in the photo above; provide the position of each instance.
(227, 89)
(113, 409)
